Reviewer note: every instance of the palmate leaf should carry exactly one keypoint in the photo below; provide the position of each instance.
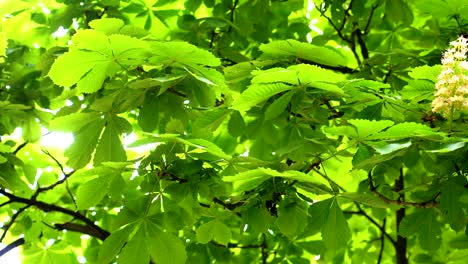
(73, 122)
(136, 250)
(257, 93)
(166, 248)
(424, 224)
(181, 52)
(211, 119)
(93, 57)
(426, 72)
(278, 106)
(359, 128)
(250, 179)
(91, 192)
(407, 130)
(79, 153)
(199, 144)
(214, 230)
(113, 244)
(294, 48)
(110, 147)
(366, 199)
(335, 231)
(107, 25)
(450, 205)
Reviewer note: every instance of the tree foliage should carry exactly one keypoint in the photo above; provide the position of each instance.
(234, 131)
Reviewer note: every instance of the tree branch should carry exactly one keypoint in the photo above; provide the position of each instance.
(12, 221)
(427, 204)
(84, 229)
(54, 208)
(360, 210)
(333, 68)
(52, 186)
(18, 242)
(382, 242)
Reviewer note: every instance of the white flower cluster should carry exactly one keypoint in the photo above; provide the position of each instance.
(452, 83)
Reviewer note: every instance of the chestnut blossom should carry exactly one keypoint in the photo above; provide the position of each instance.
(452, 83)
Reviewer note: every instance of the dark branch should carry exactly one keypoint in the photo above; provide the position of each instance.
(360, 210)
(18, 242)
(369, 19)
(50, 187)
(264, 250)
(427, 204)
(235, 245)
(54, 208)
(12, 221)
(84, 229)
(382, 243)
(341, 69)
(20, 147)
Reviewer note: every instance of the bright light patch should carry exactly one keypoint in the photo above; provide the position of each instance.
(12, 257)
(61, 32)
(81, 259)
(130, 138)
(75, 24)
(35, 45)
(57, 140)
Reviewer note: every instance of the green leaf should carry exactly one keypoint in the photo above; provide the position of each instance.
(3, 44)
(294, 48)
(451, 192)
(424, 224)
(107, 25)
(93, 57)
(181, 52)
(236, 124)
(148, 117)
(136, 250)
(208, 147)
(426, 72)
(31, 129)
(79, 153)
(257, 93)
(113, 244)
(290, 219)
(247, 180)
(214, 230)
(398, 12)
(210, 119)
(166, 248)
(110, 147)
(383, 147)
(366, 199)
(278, 106)
(335, 232)
(360, 128)
(407, 130)
(73, 121)
(91, 192)
(258, 219)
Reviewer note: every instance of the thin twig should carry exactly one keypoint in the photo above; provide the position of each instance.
(12, 221)
(54, 208)
(52, 186)
(264, 250)
(382, 242)
(340, 34)
(360, 210)
(84, 229)
(20, 147)
(18, 242)
(369, 19)
(427, 204)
